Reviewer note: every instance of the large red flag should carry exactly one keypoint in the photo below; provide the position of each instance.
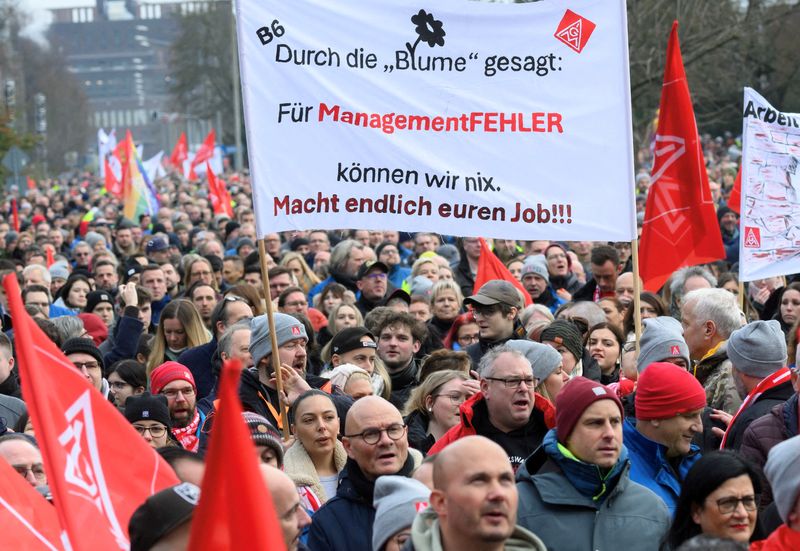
(98, 468)
(203, 154)
(490, 267)
(180, 153)
(680, 224)
(113, 185)
(27, 521)
(235, 509)
(735, 198)
(14, 215)
(218, 194)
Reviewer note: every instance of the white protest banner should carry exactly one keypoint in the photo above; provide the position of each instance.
(457, 117)
(770, 212)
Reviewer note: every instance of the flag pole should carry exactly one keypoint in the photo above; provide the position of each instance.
(741, 297)
(276, 362)
(637, 291)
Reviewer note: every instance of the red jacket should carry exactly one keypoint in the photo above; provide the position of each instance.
(782, 539)
(466, 428)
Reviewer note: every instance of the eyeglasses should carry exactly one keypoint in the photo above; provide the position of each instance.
(557, 256)
(379, 276)
(37, 470)
(728, 505)
(87, 365)
(155, 431)
(485, 311)
(456, 398)
(173, 392)
(372, 436)
(512, 382)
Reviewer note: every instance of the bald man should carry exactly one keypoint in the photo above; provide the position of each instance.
(292, 516)
(473, 503)
(376, 442)
(624, 288)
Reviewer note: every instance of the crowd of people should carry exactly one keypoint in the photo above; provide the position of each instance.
(424, 411)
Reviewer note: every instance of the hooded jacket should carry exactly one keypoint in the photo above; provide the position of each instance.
(297, 464)
(425, 536)
(714, 373)
(572, 506)
(475, 420)
(651, 468)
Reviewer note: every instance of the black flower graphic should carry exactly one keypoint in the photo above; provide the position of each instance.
(429, 29)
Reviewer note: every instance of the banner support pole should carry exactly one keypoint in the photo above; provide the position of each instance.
(637, 291)
(276, 362)
(741, 297)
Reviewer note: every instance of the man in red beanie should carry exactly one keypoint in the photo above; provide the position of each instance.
(176, 382)
(669, 406)
(575, 491)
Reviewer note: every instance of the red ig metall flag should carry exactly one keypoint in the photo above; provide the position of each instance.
(180, 152)
(204, 153)
(680, 224)
(218, 194)
(98, 468)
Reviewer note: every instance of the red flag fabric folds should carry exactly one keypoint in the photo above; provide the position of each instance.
(680, 224)
(203, 154)
(490, 267)
(180, 152)
(98, 468)
(14, 215)
(735, 198)
(235, 509)
(218, 194)
(27, 520)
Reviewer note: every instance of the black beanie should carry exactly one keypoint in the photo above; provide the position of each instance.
(145, 406)
(85, 346)
(565, 333)
(96, 297)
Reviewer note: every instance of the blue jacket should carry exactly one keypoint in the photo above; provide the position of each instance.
(198, 360)
(56, 311)
(344, 523)
(651, 468)
(157, 307)
(560, 495)
(398, 274)
(125, 338)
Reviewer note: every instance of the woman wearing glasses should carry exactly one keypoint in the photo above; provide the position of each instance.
(719, 498)
(149, 415)
(432, 408)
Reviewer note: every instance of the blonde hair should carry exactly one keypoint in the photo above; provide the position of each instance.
(332, 328)
(196, 334)
(308, 278)
(419, 263)
(428, 387)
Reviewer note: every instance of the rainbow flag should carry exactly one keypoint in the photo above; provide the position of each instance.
(138, 194)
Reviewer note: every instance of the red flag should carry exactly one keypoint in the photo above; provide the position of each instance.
(27, 521)
(735, 198)
(680, 223)
(490, 267)
(180, 153)
(14, 215)
(87, 446)
(203, 154)
(50, 258)
(218, 194)
(31, 183)
(235, 509)
(113, 185)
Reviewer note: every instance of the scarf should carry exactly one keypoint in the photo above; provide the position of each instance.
(767, 383)
(366, 487)
(187, 436)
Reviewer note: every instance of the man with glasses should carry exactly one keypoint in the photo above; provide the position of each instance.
(506, 410)
(495, 305)
(575, 491)
(372, 281)
(175, 381)
(19, 451)
(669, 406)
(376, 441)
(82, 255)
(87, 359)
(389, 254)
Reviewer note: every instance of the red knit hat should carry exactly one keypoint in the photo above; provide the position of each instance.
(577, 395)
(665, 390)
(168, 372)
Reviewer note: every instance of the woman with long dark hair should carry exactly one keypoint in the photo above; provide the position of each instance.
(719, 497)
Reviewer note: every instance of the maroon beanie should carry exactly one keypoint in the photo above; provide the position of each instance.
(577, 395)
(665, 390)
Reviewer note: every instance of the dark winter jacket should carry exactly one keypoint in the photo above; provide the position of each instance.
(478, 349)
(463, 275)
(403, 382)
(344, 523)
(758, 408)
(571, 505)
(418, 437)
(569, 283)
(518, 444)
(198, 360)
(123, 342)
(766, 432)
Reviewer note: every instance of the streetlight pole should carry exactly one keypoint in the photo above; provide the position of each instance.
(237, 95)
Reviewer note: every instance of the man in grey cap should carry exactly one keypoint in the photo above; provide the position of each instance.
(258, 390)
(536, 280)
(783, 473)
(757, 352)
(662, 341)
(495, 305)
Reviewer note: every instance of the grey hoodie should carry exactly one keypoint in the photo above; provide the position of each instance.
(425, 535)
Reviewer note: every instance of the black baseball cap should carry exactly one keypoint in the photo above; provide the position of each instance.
(350, 339)
(162, 513)
(367, 267)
